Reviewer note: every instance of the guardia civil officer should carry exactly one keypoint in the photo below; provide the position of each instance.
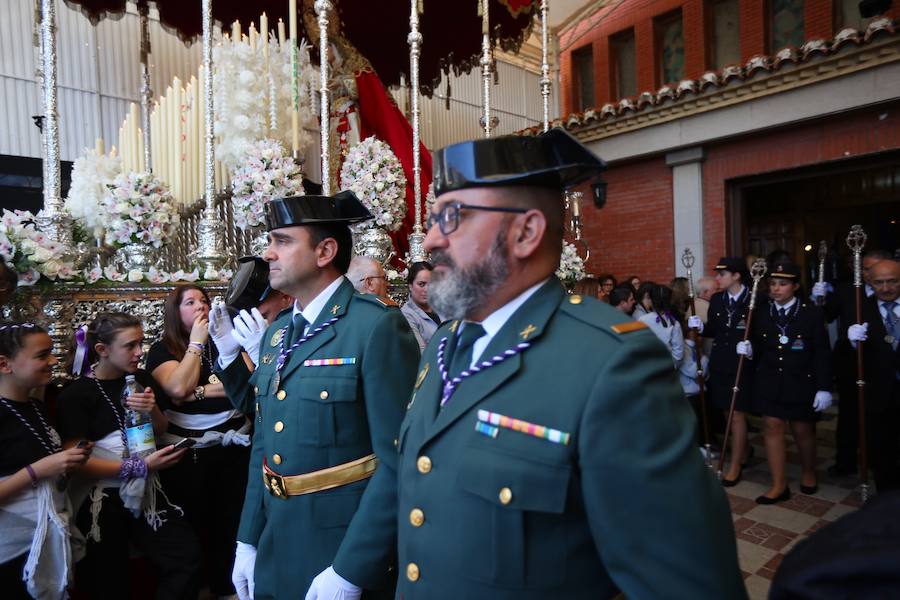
(726, 324)
(332, 379)
(547, 451)
(792, 378)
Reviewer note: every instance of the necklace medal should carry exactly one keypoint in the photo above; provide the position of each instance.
(783, 339)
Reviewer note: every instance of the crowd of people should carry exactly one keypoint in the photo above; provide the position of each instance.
(494, 437)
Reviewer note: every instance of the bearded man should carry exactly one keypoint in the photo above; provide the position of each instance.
(547, 451)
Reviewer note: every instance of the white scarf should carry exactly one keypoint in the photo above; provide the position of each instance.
(38, 520)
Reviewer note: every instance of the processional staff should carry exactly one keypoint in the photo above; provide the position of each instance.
(823, 254)
(687, 260)
(856, 240)
(757, 272)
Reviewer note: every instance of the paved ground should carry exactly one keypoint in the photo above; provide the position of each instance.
(766, 533)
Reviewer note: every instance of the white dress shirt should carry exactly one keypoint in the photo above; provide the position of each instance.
(312, 310)
(495, 321)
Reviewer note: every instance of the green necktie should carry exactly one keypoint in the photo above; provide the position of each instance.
(462, 355)
(298, 327)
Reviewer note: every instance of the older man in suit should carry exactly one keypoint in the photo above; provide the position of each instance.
(880, 335)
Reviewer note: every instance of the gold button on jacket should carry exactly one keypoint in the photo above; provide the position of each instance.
(423, 464)
(276, 458)
(279, 426)
(505, 495)
(281, 395)
(416, 517)
(412, 572)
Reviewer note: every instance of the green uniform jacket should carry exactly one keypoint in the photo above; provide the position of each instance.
(329, 415)
(626, 504)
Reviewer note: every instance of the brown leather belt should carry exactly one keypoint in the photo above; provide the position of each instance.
(283, 486)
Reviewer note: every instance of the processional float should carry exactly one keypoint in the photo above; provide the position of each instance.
(206, 238)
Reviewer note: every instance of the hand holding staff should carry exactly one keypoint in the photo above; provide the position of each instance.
(856, 240)
(823, 254)
(757, 272)
(687, 260)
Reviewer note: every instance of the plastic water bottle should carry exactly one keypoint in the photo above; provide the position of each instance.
(138, 425)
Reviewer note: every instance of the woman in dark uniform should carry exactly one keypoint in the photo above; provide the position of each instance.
(726, 324)
(792, 379)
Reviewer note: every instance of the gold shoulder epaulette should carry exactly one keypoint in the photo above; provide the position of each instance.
(628, 327)
(386, 302)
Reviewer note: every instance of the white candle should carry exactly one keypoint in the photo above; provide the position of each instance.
(135, 136)
(264, 34)
(253, 37)
(98, 146)
(280, 32)
(236, 31)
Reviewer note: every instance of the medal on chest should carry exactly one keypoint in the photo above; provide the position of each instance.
(782, 339)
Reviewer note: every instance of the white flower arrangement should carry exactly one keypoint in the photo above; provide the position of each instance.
(394, 275)
(571, 266)
(139, 209)
(30, 252)
(91, 174)
(373, 172)
(251, 104)
(266, 171)
(153, 275)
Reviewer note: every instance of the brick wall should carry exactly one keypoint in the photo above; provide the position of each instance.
(633, 233)
(849, 135)
(639, 15)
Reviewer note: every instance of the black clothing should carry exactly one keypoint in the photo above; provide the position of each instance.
(854, 557)
(159, 354)
(11, 579)
(881, 363)
(221, 469)
(789, 373)
(83, 412)
(18, 445)
(209, 484)
(841, 305)
(726, 324)
(172, 548)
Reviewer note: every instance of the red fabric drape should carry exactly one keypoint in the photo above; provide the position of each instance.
(379, 116)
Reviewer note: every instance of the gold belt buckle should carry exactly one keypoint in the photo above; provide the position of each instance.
(275, 483)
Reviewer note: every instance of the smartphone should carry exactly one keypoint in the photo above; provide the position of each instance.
(185, 443)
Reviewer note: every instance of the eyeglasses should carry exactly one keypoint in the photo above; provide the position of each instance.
(447, 219)
(374, 277)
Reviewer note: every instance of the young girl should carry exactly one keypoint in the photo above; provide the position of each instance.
(792, 380)
(662, 320)
(35, 550)
(182, 362)
(124, 504)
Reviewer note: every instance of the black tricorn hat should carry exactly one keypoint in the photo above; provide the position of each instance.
(553, 159)
(343, 207)
(250, 284)
(786, 271)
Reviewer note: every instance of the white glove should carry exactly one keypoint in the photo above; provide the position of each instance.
(242, 574)
(819, 289)
(328, 585)
(744, 348)
(694, 322)
(220, 329)
(822, 401)
(249, 328)
(858, 333)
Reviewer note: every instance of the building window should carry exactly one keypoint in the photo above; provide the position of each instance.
(583, 67)
(624, 65)
(848, 16)
(785, 24)
(725, 44)
(670, 48)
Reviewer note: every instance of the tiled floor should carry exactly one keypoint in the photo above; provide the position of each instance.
(766, 533)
